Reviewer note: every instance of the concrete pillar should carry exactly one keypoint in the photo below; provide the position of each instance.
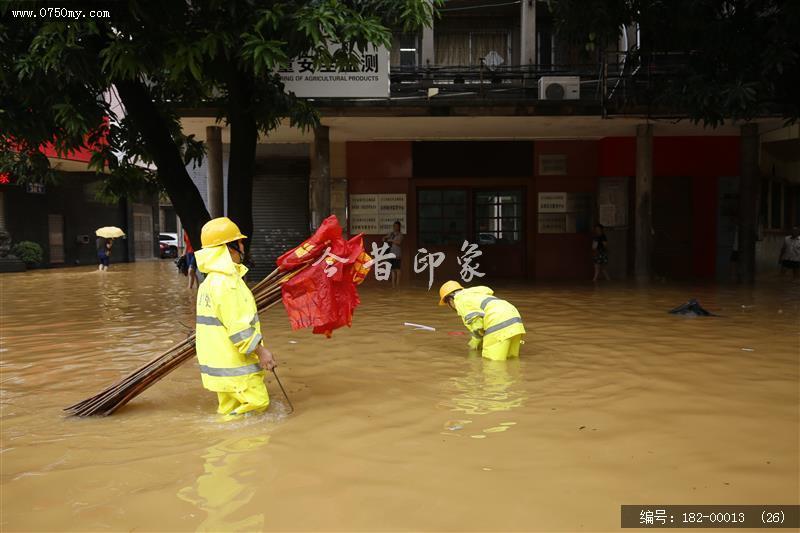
(748, 201)
(428, 52)
(320, 182)
(527, 32)
(216, 192)
(644, 202)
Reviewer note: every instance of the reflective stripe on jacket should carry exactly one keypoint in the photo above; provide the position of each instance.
(227, 325)
(488, 319)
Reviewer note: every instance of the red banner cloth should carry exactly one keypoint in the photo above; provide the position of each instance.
(324, 295)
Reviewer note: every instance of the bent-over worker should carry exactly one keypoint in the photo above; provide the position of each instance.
(229, 344)
(495, 324)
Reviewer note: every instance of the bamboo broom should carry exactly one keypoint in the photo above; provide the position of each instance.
(267, 293)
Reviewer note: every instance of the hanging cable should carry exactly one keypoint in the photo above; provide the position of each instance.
(465, 8)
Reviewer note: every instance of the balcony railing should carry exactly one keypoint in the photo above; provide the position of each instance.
(621, 84)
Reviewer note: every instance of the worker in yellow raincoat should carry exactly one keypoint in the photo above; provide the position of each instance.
(495, 324)
(228, 342)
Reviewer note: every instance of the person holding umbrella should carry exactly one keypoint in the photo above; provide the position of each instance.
(105, 241)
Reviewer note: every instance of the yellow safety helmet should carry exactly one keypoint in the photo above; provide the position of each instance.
(220, 231)
(448, 287)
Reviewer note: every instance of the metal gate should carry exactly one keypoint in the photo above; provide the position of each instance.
(55, 225)
(143, 231)
(280, 211)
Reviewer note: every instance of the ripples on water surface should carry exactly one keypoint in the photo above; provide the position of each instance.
(613, 401)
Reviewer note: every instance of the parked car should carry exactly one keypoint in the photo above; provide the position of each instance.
(168, 243)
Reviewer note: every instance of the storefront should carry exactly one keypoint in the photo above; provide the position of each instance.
(530, 206)
(62, 219)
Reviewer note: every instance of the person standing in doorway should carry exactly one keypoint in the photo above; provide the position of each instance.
(789, 258)
(395, 238)
(191, 262)
(600, 252)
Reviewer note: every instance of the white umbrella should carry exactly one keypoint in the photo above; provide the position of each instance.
(109, 232)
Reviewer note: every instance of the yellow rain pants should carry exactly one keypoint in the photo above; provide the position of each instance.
(228, 333)
(495, 325)
(500, 351)
(253, 398)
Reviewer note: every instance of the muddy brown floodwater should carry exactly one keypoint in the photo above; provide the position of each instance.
(612, 402)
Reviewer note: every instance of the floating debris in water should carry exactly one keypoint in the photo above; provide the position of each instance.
(456, 425)
(748, 349)
(419, 326)
(478, 436)
(487, 469)
(292, 342)
(691, 308)
(582, 427)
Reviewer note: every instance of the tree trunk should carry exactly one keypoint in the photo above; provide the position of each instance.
(171, 170)
(242, 155)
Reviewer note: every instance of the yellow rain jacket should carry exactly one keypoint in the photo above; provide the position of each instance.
(228, 329)
(490, 320)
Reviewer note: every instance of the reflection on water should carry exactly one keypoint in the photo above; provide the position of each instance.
(223, 488)
(487, 387)
(612, 401)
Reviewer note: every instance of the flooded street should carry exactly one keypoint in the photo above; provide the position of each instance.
(612, 402)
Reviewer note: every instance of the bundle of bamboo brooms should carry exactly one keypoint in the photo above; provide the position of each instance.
(267, 293)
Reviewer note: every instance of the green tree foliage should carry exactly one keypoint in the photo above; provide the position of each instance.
(163, 58)
(710, 60)
(28, 252)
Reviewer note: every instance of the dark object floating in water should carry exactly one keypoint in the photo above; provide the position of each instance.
(691, 308)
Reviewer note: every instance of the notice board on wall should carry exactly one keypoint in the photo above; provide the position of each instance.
(562, 212)
(612, 202)
(374, 214)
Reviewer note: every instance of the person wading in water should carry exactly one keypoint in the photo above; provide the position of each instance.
(229, 343)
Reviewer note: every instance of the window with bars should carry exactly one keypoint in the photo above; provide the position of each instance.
(405, 50)
(498, 217)
(442, 217)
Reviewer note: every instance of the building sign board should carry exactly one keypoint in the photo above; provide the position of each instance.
(367, 79)
(374, 214)
(552, 223)
(552, 202)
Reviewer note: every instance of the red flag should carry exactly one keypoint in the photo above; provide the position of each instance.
(313, 247)
(324, 295)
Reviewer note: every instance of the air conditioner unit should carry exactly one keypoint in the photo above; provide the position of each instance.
(559, 88)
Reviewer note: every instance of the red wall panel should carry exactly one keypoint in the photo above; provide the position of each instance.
(672, 156)
(617, 157)
(695, 156)
(704, 159)
(582, 156)
(379, 159)
(568, 255)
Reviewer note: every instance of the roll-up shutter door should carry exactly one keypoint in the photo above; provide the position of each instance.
(280, 212)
